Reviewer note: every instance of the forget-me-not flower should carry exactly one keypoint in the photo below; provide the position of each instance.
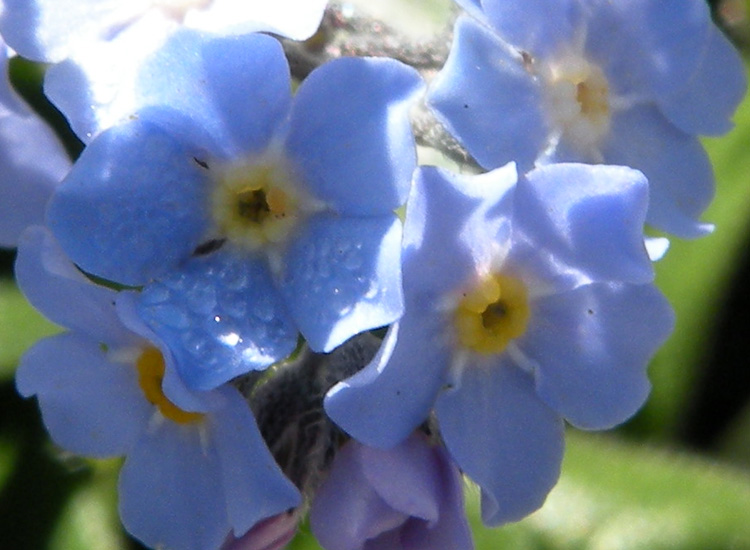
(406, 498)
(102, 43)
(196, 467)
(32, 161)
(631, 83)
(256, 212)
(525, 304)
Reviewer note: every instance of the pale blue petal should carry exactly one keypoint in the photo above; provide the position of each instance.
(615, 50)
(342, 276)
(346, 510)
(237, 89)
(405, 477)
(487, 99)
(296, 19)
(171, 493)
(656, 44)
(54, 286)
(706, 102)
(254, 486)
(452, 223)
(133, 206)
(416, 478)
(49, 30)
(434, 256)
(107, 41)
(452, 530)
(95, 90)
(350, 134)
(503, 437)
(591, 368)
(90, 405)
(32, 158)
(671, 35)
(221, 317)
(678, 170)
(68, 88)
(172, 385)
(582, 218)
(386, 401)
(540, 27)
(473, 8)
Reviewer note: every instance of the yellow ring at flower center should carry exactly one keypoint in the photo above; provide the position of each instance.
(150, 365)
(492, 313)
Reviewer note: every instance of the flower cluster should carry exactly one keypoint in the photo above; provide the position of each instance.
(270, 307)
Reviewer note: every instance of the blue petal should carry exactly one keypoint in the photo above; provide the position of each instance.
(54, 286)
(172, 385)
(503, 437)
(678, 170)
(95, 88)
(386, 401)
(48, 30)
(541, 27)
(452, 223)
(592, 366)
(451, 531)
(671, 35)
(235, 89)
(69, 89)
(253, 483)
(405, 477)
(171, 493)
(486, 98)
(656, 45)
(577, 217)
(708, 99)
(33, 161)
(350, 134)
(133, 206)
(342, 276)
(347, 511)
(221, 317)
(296, 19)
(472, 7)
(90, 405)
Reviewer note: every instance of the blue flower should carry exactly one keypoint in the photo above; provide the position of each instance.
(102, 43)
(256, 213)
(628, 83)
(196, 467)
(524, 305)
(406, 498)
(32, 161)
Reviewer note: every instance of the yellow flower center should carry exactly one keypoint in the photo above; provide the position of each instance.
(492, 313)
(150, 367)
(255, 203)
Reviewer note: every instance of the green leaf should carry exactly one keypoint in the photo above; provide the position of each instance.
(89, 520)
(614, 495)
(20, 326)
